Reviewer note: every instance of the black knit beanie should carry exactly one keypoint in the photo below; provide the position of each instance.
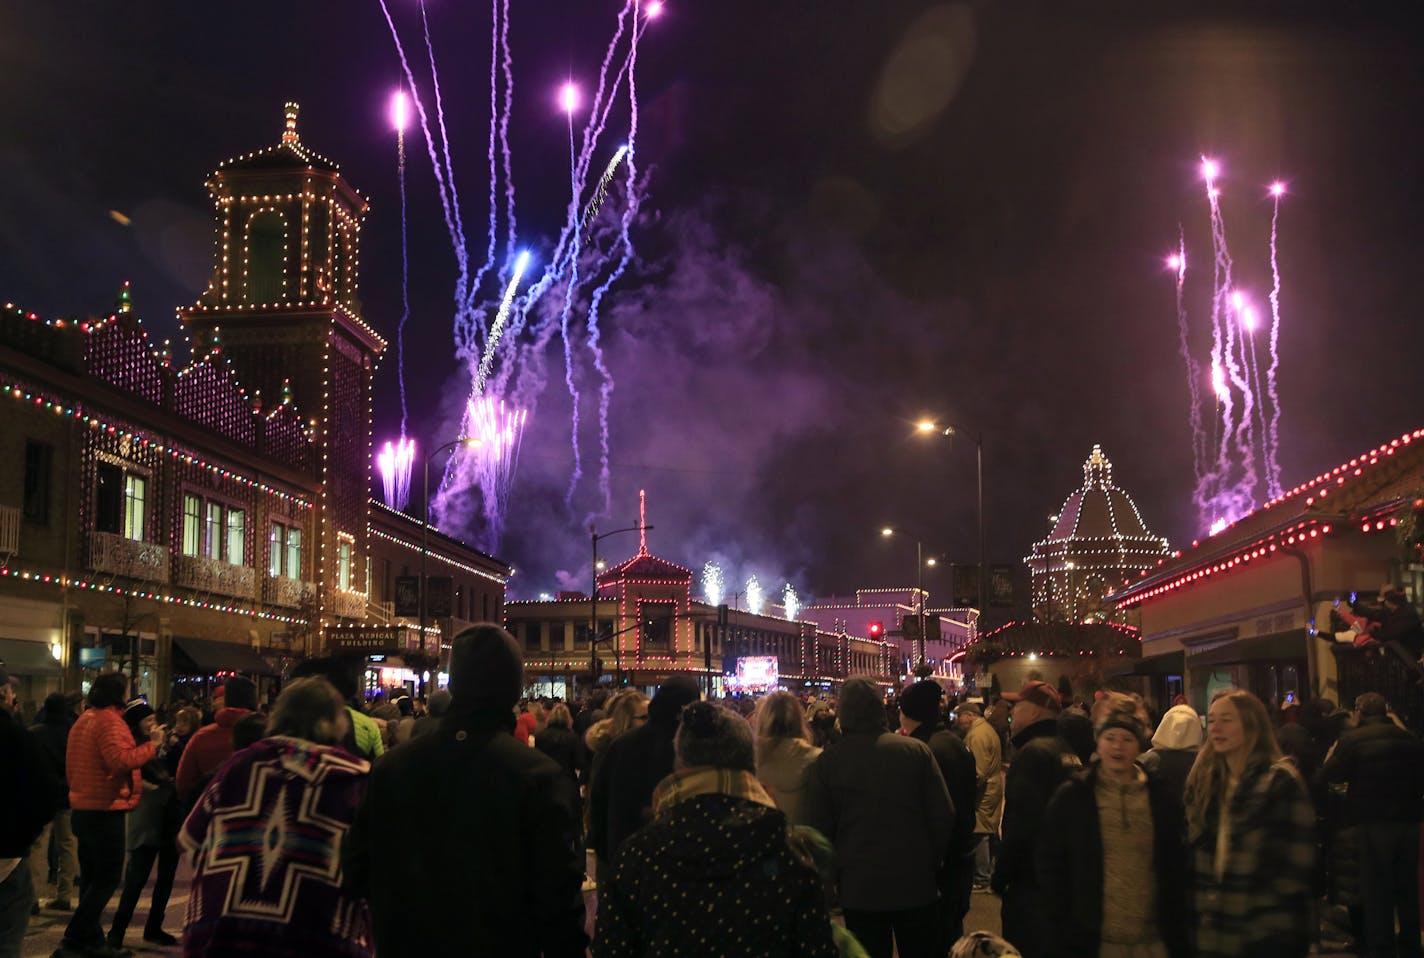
(862, 706)
(486, 669)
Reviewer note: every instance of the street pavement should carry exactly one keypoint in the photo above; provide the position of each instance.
(47, 928)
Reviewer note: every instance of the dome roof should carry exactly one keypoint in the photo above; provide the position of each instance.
(1101, 521)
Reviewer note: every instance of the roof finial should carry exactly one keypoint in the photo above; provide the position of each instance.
(289, 135)
(642, 522)
(1097, 470)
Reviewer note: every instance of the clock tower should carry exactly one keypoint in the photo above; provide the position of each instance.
(282, 304)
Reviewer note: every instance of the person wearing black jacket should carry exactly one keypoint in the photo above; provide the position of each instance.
(1042, 760)
(27, 802)
(1384, 768)
(52, 734)
(464, 840)
(1110, 858)
(620, 791)
(919, 718)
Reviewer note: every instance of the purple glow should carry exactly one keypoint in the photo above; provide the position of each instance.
(1210, 170)
(568, 98)
(1176, 262)
(1278, 189)
(655, 9)
(395, 462)
(400, 111)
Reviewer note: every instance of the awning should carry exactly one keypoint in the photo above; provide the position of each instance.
(1262, 648)
(205, 656)
(22, 657)
(1168, 663)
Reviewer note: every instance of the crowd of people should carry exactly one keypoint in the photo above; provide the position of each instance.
(480, 822)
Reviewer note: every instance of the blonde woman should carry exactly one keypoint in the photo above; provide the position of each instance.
(1250, 824)
(626, 711)
(784, 752)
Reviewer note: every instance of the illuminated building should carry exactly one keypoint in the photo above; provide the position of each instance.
(212, 513)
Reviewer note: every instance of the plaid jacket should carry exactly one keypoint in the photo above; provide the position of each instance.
(1261, 905)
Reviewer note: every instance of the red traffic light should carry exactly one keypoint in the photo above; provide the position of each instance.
(877, 629)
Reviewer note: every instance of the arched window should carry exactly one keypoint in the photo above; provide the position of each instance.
(266, 257)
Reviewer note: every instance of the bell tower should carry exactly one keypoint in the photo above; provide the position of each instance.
(283, 301)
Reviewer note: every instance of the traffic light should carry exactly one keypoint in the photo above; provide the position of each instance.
(876, 630)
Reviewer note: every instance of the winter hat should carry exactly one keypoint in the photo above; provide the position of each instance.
(1039, 693)
(240, 693)
(1123, 720)
(862, 707)
(671, 696)
(134, 715)
(486, 669)
(982, 944)
(1179, 728)
(920, 701)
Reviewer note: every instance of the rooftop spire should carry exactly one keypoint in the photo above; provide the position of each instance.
(1097, 470)
(289, 134)
(642, 522)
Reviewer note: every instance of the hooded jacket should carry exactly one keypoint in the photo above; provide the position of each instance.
(782, 765)
(1174, 748)
(712, 875)
(206, 752)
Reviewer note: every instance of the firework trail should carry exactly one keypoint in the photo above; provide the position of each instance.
(399, 116)
(790, 602)
(1177, 263)
(713, 583)
(396, 462)
(500, 429)
(755, 597)
(1273, 433)
(1227, 474)
(503, 339)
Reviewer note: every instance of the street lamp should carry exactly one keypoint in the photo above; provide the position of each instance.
(887, 532)
(927, 426)
(595, 538)
(467, 442)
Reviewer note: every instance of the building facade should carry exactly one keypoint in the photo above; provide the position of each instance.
(185, 519)
(1250, 606)
(1098, 540)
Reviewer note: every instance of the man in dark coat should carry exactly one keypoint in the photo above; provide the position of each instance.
(620, 791)
(464, 841)
(1384, 768)
(881, 800)
(1042, 761)
(27, 803)
(52, 735)
(919, 718)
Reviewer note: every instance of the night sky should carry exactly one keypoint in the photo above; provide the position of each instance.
(857, 213)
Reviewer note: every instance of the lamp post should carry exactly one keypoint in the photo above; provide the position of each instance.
(930, 426)
(887, 532)
(468, 442)
(595, 537)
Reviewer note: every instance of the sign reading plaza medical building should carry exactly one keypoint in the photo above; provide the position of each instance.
(370, 638)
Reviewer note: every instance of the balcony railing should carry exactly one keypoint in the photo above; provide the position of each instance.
(348, 605)
(147, 561)
(9, 530)
(277, 590)
(213, 575)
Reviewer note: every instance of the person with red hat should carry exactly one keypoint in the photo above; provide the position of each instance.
(1042, 762)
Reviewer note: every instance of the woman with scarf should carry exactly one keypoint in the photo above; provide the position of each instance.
(713, 873)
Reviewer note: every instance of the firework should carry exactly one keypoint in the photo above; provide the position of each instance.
(504, 340)
(500, 429)
(713, 584)
(790, 602)
(400, 118)
(755, 597)
(1247, 410)
(395, 462)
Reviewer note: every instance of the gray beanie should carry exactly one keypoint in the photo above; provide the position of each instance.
(862, 707)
